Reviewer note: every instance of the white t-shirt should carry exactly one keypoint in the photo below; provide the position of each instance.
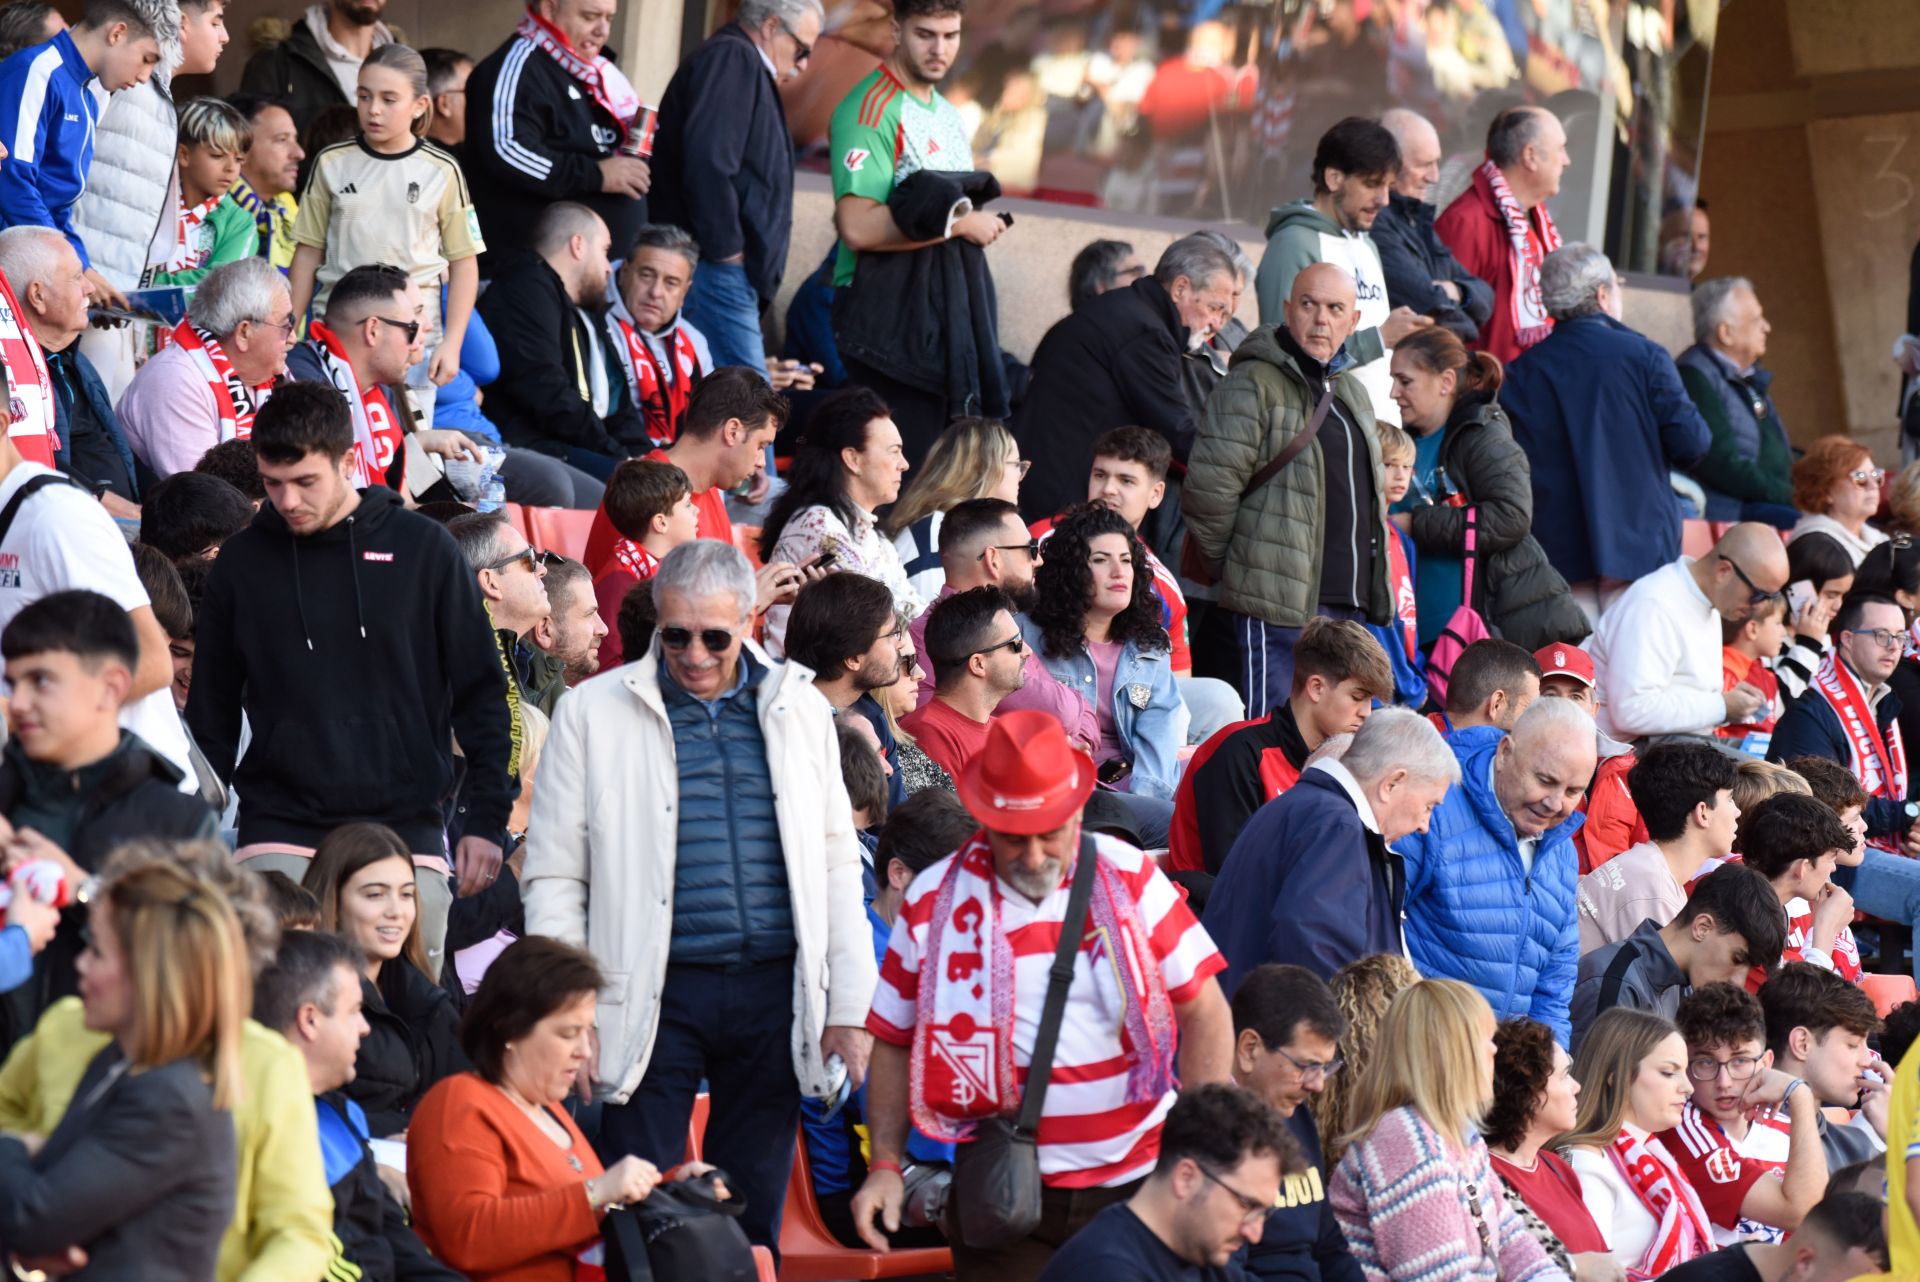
(62, 538)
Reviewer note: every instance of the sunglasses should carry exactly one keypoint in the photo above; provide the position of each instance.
(531, 555)
(1868, 476)
(714, 639)
(1016, 643)
(1031, 549)
(1759, 595)
(412, 327)
(801, 49)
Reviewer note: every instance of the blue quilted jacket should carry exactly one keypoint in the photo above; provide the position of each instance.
(1475, 914)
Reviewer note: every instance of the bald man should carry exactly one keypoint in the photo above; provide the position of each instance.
(1491, 884)
(1301, 538)
(1422, 273)
(1656, 655)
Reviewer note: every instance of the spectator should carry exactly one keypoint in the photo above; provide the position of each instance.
(447, 73)
(1303, 543)
(208, 382)
(1499, 228)
(1417, 1183)
(1535, 1100)
(764, 891)
(292, 904)
(983, 544)
(1834, 787)
(1422, 275)
(1732, 921)
(1829, 572)
(26, 928)
(53, 291)
(27, 22)
(1842, 1237)
(1027, 790)
(1818, 1026)
(1749, 645)
(1101, 265)
(213, 228)
(1683, 793)
(70, 658)
(512, 575)
(233, 462)
(975, 458)
(1096, 626)
(1466, 462)
(1286, 1035)
(1467, 917)
(849, 468)
(311, 995)
(1493, 683)
(190, 514)
(1326, 887)
(117, 43)
(1747, 472)
(845, 630)
(139, 1174)
(1338, 671)
(1591, 464)
(1355, 165)
(726, 167)
(316, 64)
(269, 175)
(1204, 365)
(658, 350)
(554, 393)
(979, 657)
(1836, 487)
(1362, 990)
(1656, 655)
(173, 608)
(1795, 842)
(1116, 363)
(1216, 1140)
(1686, 238)
(490, 1196)
(651, 506)
(1566, 672)
(569, 639)
(280, 653)
(1634, 1084)
(363, 877)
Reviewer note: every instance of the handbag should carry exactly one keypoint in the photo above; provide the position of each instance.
(1463, 628)
(1195, 564)
(995, 1199)
(680, 1233)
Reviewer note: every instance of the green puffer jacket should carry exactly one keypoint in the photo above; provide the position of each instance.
(1269, 543)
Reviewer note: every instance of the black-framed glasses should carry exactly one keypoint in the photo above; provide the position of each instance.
(1015, 643)
(1311, 1068)
(714, 639)
(801, 49)
(531, 555)
(1882, 637)
(1032, 548)
(411, 326)
(1760, 595)
(1253, 1210)
(1739, 1068)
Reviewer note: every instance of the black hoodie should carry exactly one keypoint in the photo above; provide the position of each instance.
(357, 653)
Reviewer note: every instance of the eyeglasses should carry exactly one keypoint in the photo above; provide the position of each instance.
(714, 639)
(1252, 1210)
(1868, 476)
(1031, 549)
(1881, 637)
(534, 558)
(801, 49)
(1760, 595)
(1739, 1068)
(285, 327)
(1309, 1068)
(412, 326)
(1022, 465)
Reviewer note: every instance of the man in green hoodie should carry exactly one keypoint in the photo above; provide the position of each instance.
(1354, 166)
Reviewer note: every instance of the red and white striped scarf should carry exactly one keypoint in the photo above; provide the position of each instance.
(238, 402)
(600, 78)
(31, 424)
(1682, 1230)
(370, 459)
(661, 393)
(192, 245)
(1530, 320)
(1879, 763)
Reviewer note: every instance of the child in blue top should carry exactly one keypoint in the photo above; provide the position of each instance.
(29, 925)
(1400, 635)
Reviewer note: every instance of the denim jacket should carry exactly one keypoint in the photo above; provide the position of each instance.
(1152, 735)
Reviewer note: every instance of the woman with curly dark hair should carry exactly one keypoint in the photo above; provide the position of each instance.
(1096, 626)
(1535, 1099)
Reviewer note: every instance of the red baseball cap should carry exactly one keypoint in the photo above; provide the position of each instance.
(1563, 660)
(1027, 779)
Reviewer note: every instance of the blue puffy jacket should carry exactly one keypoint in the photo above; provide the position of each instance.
(1475, 914)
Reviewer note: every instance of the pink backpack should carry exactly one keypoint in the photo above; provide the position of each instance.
(1463, 629)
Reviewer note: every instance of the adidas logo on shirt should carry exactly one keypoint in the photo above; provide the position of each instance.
(349, 190)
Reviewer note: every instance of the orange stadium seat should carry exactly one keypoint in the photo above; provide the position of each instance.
(1887, 991)
(1696, 538)
(810, 1253)
(559, 529)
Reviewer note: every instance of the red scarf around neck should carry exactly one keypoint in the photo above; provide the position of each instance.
(662, 394)
(1878, 762)
(238, 401)
(597, 76)
(1530, 248)
(1682, 1230)
(31, 422)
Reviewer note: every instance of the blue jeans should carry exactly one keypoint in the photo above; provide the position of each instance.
(725, 308)
(1886, 885)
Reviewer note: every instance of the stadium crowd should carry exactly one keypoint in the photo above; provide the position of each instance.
(1206, 804)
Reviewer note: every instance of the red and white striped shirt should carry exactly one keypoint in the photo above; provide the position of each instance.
(1089, 1135)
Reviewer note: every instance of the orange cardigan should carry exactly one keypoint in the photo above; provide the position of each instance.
(492, 1196)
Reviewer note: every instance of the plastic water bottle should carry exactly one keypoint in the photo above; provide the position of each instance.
(493, 491)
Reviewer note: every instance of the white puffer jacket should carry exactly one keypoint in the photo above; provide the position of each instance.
(128, 215)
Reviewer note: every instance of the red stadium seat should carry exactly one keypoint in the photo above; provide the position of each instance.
(560, 529)
(1887, 991)
(1696, 538)
(809, 1253)
(516, 516)
(747, 539)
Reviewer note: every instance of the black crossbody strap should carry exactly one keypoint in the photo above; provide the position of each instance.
(25, 492)
(1059, 978)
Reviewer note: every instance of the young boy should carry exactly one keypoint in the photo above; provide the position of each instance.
(214, 229)
(116, 45)
(651, 505)
(1835, 788)
(1757, 1177)
(1747, 644)
(1401, 638)
(1795, 842)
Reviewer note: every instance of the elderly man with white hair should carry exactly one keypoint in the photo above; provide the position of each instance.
(1747, 474)
(1601, 413)
(206, 384)
(1314, 879)
(1422, 273)
(692, 830)
(1491, 882)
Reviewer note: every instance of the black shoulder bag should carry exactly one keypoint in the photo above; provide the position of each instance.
(996, 1174)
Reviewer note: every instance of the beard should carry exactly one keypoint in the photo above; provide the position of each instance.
(1038, 885)
(1024, 597)
(361, 13)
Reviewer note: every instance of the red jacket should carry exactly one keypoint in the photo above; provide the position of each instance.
(1234, 773)
(1473, 229)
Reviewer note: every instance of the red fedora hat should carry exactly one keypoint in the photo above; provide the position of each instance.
(1028, 778)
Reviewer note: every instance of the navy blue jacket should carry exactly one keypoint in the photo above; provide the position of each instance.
(1603, 417)
(1413, 257)
(73, 377)
(1307, 883)
(1302, 1241)
(1811, 728)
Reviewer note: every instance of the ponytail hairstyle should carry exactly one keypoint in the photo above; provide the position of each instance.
(395, 56)
(1438, 349)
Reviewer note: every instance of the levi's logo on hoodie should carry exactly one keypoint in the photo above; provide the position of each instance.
(376, 556)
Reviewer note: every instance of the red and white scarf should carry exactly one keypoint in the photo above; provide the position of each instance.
(192, 243)
(1879, 763)
(1530, 248)
(962, 1060)
(376, 439)
(635, 560)
(31, 421)
(1400, 583)
(600, 78)
(238, 402)
(1682, 1230)
(662, 394)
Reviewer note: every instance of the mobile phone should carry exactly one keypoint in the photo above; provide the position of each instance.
(1006, 219)
(826, 559)
(1800, 595)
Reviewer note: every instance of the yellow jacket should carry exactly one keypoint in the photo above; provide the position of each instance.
(282, 1227)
